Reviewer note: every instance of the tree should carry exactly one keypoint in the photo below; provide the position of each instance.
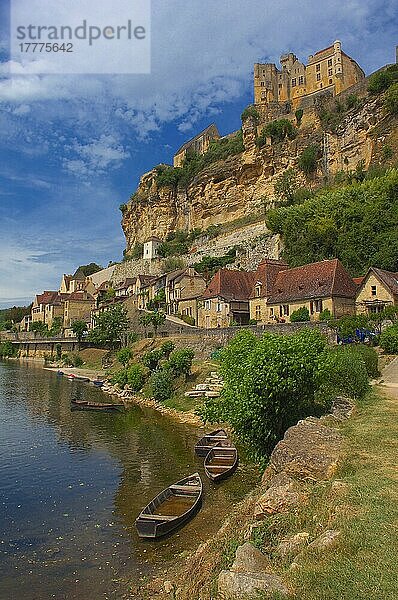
(301, 314)
(110, 327)
(124, 355)
(39, 327)
(56, 326)
(136, 375)
(286, 185)
(151, 359)
(389, 339)
(180, 362)
(90, 269)
(161, 385)
(154, 318)
(79, 328)
(308, 159)
(391, 100)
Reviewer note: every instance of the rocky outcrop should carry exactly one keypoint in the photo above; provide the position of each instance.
(250, 573)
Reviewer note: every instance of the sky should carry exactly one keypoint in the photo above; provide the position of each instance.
(73, 147)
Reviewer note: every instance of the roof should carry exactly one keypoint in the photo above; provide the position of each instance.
(358, 280)
(153, 238)
(316, 280)
(80, 297)
(101, 276)
(47, 297)
(79, 275)
(389, 278)
(265, 274)
(189, 142)
(230, 285)
(146, 279)
(126, 283)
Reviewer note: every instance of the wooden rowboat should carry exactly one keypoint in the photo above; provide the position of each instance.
(171, 508)
(220, 462)
(86, 405)
(208, 441)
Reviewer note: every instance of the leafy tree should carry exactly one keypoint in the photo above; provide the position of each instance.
(278, 131)
(154, 318)
(79, 328)
(167, 348)
(208, 265)
(8, 349)
(151, 359)
(39, 327)
(158, 301)
(308, 159)
(342, 372)
(136, 376)
(380, 81)
(90, 269)
(110, 327)
(180, 362)
(269, 383)
(301, 314)
(124, 355)
(251, 112)
(56, 326)
(299, 115)
(161, 385)
(172, 263)
(325, 315)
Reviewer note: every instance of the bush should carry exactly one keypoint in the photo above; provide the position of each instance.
(352, 101)
(161, 385)
(252, 112)
(308, 160)
(389, 339)
(369, 357)
(387, 152)
(325, 315)
(120, 378)
(391, 100)
(278, 131)
(8, 350)
(378, 82)
(180, 362)
(342, 373)
(136, 375)
(301, 314)
(172, 263)
(77, 360)
(124, 355)
(167, 348)
(299, 115)
(151, 359)
(285, 186)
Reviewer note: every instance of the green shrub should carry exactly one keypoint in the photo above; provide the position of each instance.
(285, 186)
(301, 314)
(278, 131)
(369, 357)
(8, 350)
(172, 263)
(252, 112)
(161, 385)
(167, 348)
(342, 373)
(136, 375)
(187, 319)
(77, 360)
(391, 100)
(151, 359)
(325, 315)
(299, 115)
(124, 355)
(380, 81)
(387, 152)
(180, 362)
(210, 264)
(120, 378)
(308, 160)
(389, 339)
(352, 101)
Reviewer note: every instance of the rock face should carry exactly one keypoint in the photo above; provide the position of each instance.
(244, 184)
(293, 545)
(250, 573)
(308, 450)
(282, 495)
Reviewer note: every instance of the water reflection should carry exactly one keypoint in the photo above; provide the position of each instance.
(72, 484)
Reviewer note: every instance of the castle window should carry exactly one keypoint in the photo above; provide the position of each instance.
(318, 67)
(329, 62)
(330, 72)
(263, 84)
(330, 81)
(301, 80)
(294, 81)
(318, 76)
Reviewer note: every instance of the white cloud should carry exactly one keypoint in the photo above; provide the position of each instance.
(96, 157)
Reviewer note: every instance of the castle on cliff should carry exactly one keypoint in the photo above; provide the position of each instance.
(328, 70)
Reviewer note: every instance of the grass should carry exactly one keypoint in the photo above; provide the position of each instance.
(200, 370)
(362, 565)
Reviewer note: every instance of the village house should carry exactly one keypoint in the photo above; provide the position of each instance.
(316, 286)
(377, 290)
(77, 307)
(265, 276)
(142, 290)
(181, 285)
(199, 144)
(77, 282)
(328, 70)
(225, 301)
(125, 288)
(151, 247)
(46, 306)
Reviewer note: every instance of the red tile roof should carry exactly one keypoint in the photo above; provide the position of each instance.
(230, 285)
(47, 297)
(358, 280)
(316, 280)
(265, 274)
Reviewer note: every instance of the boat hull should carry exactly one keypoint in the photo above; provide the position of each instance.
(208, 441)
(221, 462)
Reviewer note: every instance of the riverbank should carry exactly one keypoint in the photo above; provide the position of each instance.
(321, 525)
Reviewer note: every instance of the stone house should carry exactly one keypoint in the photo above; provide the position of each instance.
(328, 70)
(125, 288)
(198, 144)
(265, 276)
(46, 306)
(142, 290)
(78, 282)
(180, 285)
(151, 246)
(316, 286)
(226, 299)
(377, 291)
(77, 307)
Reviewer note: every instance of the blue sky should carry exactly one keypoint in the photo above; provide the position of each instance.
(72, 148)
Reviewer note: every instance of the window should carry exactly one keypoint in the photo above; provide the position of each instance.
(318, 76)
(294, 82)
(207, 304)
(318, 67)
(271, 312)
(258, 313)
(219, 307)
(330, 72)
(374, 290)
(285, 310)
(318, 306)
(263, 84)
(301, 80)
(330, 62)
(330, 81)
(258, 290)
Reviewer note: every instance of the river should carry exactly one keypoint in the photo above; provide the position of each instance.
(72, 484)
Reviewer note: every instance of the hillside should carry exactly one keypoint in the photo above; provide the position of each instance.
(350, 132)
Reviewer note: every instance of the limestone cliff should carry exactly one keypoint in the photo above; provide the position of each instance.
(244, 184)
